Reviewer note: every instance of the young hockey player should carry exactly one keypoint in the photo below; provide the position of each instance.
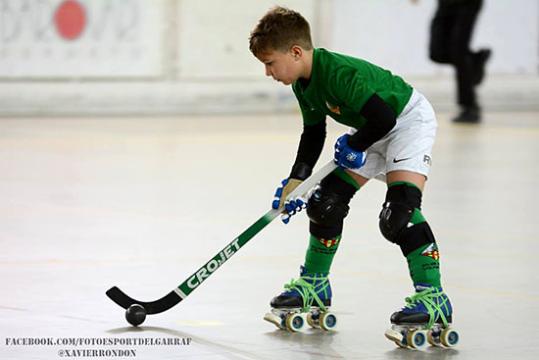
(392, 130)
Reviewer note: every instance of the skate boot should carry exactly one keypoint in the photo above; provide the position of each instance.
(426, 317)
(305, 300)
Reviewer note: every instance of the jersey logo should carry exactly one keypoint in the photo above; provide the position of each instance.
(432, 252)
(333, 108)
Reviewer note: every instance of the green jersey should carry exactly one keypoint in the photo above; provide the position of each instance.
(340, 85)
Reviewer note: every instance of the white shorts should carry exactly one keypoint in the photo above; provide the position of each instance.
(408, 146)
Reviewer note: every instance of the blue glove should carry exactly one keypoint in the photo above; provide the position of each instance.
(347, 157)
(292, 206)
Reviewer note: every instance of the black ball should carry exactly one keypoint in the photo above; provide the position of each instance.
(135, 314)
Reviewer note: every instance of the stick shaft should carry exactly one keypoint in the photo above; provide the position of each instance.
(185, 288)
(188, 286)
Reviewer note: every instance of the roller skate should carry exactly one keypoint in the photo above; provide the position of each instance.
(305, 300)
(426, 318)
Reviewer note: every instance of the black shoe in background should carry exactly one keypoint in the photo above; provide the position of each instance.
(469, 115)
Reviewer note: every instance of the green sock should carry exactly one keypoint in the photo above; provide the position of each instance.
(320, 254)
(424, 265)
(321, 251)
(341, 173)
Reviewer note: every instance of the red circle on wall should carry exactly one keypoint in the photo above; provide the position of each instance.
(70, 19)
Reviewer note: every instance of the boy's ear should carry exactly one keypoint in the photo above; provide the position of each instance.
(296, 51)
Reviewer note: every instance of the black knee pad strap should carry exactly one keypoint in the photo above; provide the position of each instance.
(415, 237)
(325, 232)
(406, 194)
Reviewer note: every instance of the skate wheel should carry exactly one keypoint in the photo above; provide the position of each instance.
(328, 321)
(312, 322)
(416, 338)
(294, 322)
(449, 337)
(432, 340)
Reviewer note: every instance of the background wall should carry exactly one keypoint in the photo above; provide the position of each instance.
(81, 39)
(191, 56)
(395, 34)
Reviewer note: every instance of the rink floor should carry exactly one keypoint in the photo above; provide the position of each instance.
(141, 203)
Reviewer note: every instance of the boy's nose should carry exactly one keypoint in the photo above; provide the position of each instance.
(268, 71)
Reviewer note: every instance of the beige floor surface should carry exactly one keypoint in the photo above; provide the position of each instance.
(141, 203)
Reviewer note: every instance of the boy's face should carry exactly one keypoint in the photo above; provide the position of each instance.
(284, 67)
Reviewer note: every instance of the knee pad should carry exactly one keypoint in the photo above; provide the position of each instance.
(328, 206)
(394, 219)
(401, 221)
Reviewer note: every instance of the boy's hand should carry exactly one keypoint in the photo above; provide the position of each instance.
(347, 157)
(292, 206)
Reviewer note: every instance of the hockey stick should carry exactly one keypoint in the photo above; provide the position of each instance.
(188, 286)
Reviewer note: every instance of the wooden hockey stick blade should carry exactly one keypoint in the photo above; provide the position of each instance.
(184, 289)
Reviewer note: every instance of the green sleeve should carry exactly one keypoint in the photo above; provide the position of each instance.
(349, 87)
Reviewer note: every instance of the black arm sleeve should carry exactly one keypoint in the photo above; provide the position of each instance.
(380, 120)
(309, 150)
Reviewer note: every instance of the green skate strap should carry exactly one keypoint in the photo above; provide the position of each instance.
(307, 291)
(426, 297)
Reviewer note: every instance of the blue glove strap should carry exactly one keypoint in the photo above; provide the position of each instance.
(347, 157)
